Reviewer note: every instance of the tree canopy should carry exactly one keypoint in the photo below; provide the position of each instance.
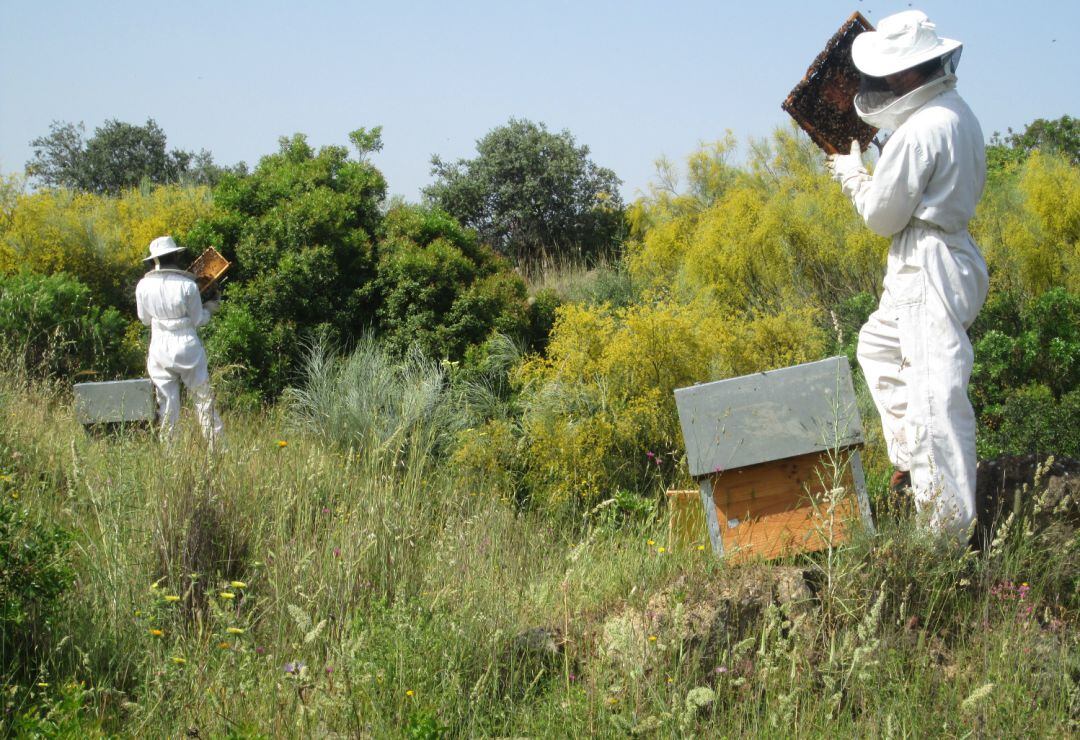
(1059, 136)
(119, 155)
(533, 195)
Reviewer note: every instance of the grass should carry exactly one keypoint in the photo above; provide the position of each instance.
(309, 582)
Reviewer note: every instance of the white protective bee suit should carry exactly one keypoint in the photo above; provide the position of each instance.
(914, 349)
(168, 301)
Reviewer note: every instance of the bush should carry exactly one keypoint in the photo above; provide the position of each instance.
(100, 240)
(301, 231)
(438, 289)
(58, 328)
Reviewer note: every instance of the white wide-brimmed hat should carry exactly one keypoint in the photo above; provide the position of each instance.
(162, 246)
(901, 41)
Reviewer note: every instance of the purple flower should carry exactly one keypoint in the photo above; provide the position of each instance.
(260, 650)
(291, 667)
(721, 669)
(337, 552)
(326, 509)
(650, 455)
(329, 669)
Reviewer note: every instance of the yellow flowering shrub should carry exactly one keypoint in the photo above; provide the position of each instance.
(1028, 226)
(100, 240)
(602, 399)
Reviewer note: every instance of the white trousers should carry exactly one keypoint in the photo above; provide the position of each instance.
(167, 377)
(916, 356)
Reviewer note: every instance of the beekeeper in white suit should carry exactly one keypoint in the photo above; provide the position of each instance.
(168, 301)
(914, 349)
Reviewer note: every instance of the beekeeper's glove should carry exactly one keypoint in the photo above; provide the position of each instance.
(848, 169)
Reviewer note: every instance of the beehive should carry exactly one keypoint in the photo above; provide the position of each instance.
(208, 269)
(776, 458)
(115, 401)
(823, 102)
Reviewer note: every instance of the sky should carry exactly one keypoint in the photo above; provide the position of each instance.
(634, 81)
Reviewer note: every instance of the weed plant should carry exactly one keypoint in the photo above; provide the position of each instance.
(331, 573)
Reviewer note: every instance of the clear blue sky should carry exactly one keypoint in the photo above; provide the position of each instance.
(632, 80)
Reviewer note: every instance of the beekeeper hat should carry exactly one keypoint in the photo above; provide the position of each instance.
(901, 41)
(162, 246)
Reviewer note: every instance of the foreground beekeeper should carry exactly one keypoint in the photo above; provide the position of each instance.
(914, 349)
(168, 301)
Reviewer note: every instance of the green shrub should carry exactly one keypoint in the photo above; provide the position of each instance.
(438, 289)
(55, 324)
(1032, 420)
(300, 229)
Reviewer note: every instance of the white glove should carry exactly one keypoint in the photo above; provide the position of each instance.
(212, 307)
(848, 169)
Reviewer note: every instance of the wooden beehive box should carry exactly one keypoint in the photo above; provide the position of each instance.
(115, 401)
(208, 269)
(776, 458)
(823, 102)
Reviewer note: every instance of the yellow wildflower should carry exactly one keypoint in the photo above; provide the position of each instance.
(235, 630)
(410, 692)
(650, 543)
(661, 550)
(282, 443)
(227, 595)
(178, 660)
(223, 645)
(701, 548)
(652, 638)
(156, 633)
(171, 598)
(237, 584)
(43, 685)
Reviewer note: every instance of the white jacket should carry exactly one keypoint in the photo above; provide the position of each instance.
(168, 302)
(933, 168)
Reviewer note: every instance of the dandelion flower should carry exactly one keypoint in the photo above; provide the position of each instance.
(282, 443)
(178, 660)
(410, 692)
(701, 548)
(42, 685)
(652, 638)
(650, 543)
(661, 550)
(171, 598)
(235, 630)
(227, 595)
(156, 633)
(237, 584)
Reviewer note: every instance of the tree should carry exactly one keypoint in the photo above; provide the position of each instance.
(532, 195)
(1060, 136)
(119, 155)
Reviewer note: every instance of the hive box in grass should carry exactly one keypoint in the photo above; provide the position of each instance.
(776, 457)
(115, 401)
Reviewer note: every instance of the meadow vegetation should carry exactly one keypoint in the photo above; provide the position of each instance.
(441, 507)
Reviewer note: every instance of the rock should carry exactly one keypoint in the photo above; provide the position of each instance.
(530, 657)
(709, 618)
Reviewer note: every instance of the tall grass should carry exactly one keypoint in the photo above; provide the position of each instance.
(333, 574)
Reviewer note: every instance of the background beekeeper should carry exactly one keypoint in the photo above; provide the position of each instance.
(914, 349)
(168, 301)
